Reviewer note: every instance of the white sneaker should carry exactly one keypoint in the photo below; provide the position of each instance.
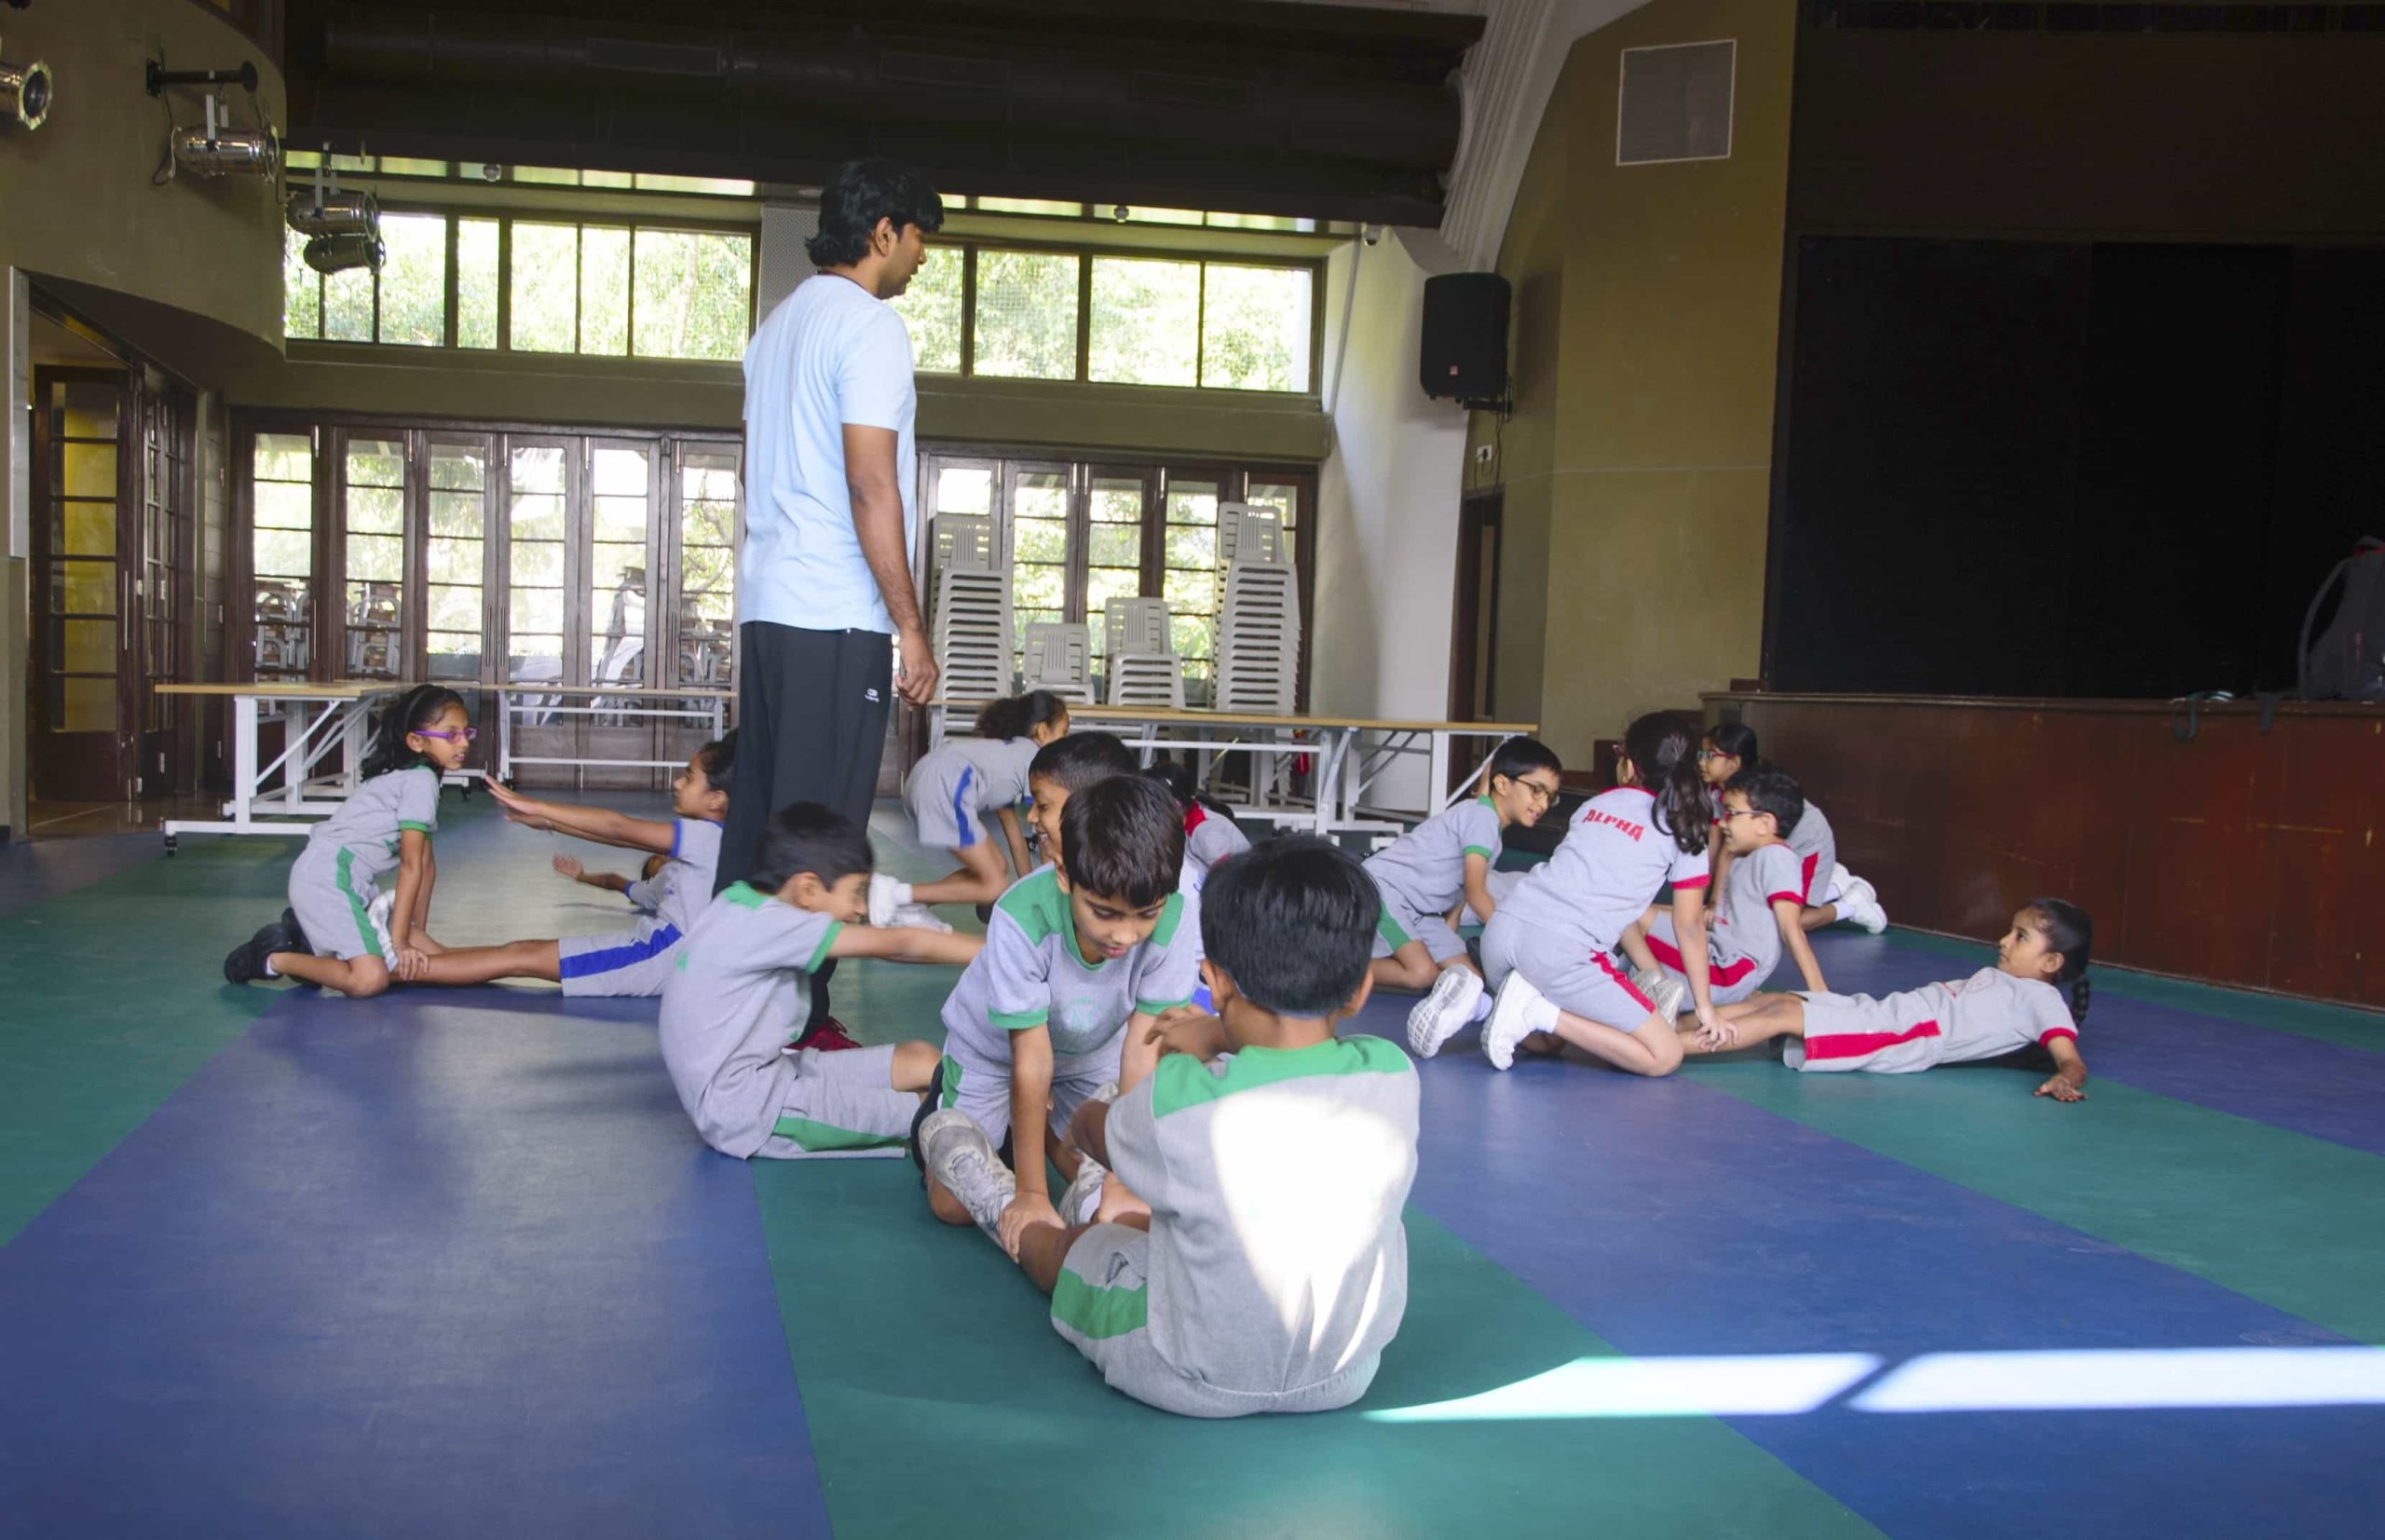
(1840, 877)
(1510, 1021)
(886, 895)
(1077, 1204)
(384, 904)
(1859, 902)
(918, 917)
(1442, 1014)
(958, 1153)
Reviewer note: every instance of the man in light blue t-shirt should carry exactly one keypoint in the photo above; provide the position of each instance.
(824, 581)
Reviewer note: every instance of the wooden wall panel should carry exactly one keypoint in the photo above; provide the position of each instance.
(2235, 856)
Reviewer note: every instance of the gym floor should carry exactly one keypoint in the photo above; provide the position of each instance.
(453, 1263)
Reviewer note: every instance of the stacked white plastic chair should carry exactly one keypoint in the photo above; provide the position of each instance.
(1059, 657)
(1259, 629)
(973, 610)
(1144, 668)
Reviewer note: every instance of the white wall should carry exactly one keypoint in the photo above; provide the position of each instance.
(1387, 500)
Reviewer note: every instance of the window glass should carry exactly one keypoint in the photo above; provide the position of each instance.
(1027, 315)
(455, 526)
(1255, 327)
(695, 293)
(301, 290)
(622, 510)
(1188, 577)
(282, 553)
(372, 490)
(931, 307)
(1039, 511)
(476, 241)
(707, 567)
(604, 290)
(535, 485)
(545, 298)
(414, 280)
(1146, 322)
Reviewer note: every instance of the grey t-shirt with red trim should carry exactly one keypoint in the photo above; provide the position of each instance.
(1426, 865)
(1746, 927)
(740, 993)
(1614, 857)
(1033, 974)
(1275, 1178)
(368, 823)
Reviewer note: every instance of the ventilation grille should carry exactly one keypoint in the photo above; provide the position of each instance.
(1675, 103)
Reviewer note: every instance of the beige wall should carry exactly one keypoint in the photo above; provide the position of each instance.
(1636, 466)
(76, 200)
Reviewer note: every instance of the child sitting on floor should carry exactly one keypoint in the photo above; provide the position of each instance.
(1762, 904)
(2012, 1006)
(1210, 832)
(949, 793)
(1269, 1270)
(340, 930)
(739, 993)
(641, 961)
(1427, 872)
(1080, 959)
(1830, 891)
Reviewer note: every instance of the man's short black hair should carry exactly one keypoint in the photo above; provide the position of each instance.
(1123, 838)
(862, 192)
(1768, 788)
(1292, 922)
(806, 836)
(1075, 760)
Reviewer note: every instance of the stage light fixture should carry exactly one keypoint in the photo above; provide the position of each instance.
(220, 149)
(24, 93)
(340, 253)
(321, 212)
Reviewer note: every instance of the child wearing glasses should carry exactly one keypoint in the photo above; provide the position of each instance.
(1763, 901)
(668, 899)
(1427, 872)
(340, 930)
(1830, 891)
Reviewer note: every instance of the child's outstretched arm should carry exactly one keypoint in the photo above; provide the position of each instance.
(1030, 1115)
(2068, 1081)
(601, 825)
(1478, 887)
(1785, 913)
(906, 944)
(411, 900)
(1689, 933)
(1008, 817)
(1186, 1029)
(610, 881)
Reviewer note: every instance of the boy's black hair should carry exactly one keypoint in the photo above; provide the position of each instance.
(1077, 760)
(1768, 788)
(1017, 715)
(1123, 838)
(1177, 778)
(1519, 758)
(718, 758)
(2069, 932)
(411, 712)
(806, 836)
(1662, 747)
(1292, 922)
(862, 192)
(1736, 738)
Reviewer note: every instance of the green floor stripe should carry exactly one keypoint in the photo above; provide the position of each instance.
(937, 1393)
(115, 995)
(2346, 1026)
(2285, 1218)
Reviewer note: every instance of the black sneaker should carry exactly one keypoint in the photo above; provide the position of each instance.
(245, 963)
(294, 934)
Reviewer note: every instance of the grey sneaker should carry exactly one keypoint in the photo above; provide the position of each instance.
(958, 1154)
(1084, 1195)
(1670, 993)
(1510, 1021)
(1445, 1012)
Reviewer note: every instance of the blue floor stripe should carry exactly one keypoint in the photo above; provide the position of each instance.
(1670, 1219)
(2322, 1089)
(366, 1275)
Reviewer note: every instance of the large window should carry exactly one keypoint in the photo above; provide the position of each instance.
(281, 554)
(534, 284)
(1081, 534)
(999, 312)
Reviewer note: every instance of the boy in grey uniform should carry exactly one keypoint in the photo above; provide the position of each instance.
(742, 988)
(1271, 1269)
(1425, 873)
(1762, 906)
(1080, 959)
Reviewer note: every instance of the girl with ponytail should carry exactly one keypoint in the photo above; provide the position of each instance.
(2035, 997)
(1549, 948)
(950, 793)
(340, 930)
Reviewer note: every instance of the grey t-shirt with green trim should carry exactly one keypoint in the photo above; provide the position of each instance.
(1275, 1178)
(1033, 974)
(369, 823)
(740, 993)
(1426, 865)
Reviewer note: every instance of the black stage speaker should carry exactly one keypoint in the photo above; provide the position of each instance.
(1465, 352)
